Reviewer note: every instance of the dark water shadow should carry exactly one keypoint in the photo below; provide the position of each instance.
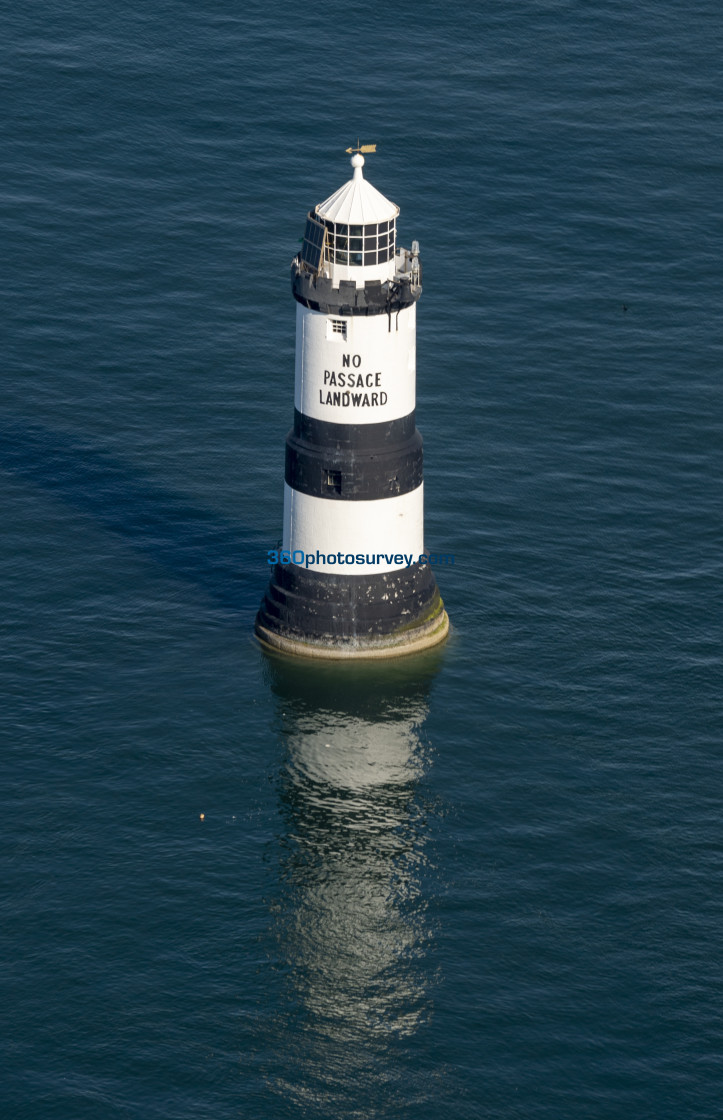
(191, 543)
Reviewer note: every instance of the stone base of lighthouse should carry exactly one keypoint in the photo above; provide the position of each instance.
(386, 614)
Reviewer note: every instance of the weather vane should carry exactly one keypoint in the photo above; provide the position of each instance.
(363, 148)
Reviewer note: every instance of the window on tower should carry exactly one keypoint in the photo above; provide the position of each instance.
(357, 245)
(333, 481)
(336, 328)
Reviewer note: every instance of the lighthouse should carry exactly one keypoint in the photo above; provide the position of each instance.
(352, 578)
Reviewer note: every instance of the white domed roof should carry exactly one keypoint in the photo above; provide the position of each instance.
(357, 202)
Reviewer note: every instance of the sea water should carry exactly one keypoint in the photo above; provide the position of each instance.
(485, 882)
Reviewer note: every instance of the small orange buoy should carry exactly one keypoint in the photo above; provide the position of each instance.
(203, 816)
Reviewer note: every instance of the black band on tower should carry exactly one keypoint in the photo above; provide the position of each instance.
(375, 298)
(317, 605)
(353, 476)
(361, 437)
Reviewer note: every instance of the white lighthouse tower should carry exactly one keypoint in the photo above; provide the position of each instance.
(352, 579)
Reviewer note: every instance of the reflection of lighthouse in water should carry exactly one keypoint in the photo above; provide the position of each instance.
(351, 928)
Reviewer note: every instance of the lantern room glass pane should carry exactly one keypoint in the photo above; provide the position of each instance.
(347, 245)
(313, 243)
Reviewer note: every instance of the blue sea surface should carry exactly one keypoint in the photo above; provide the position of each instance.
(483, 882)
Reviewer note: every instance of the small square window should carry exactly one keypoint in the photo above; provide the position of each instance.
(333, 481)
(336, 328)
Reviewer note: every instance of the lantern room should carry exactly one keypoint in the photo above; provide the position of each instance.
(353, 229)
